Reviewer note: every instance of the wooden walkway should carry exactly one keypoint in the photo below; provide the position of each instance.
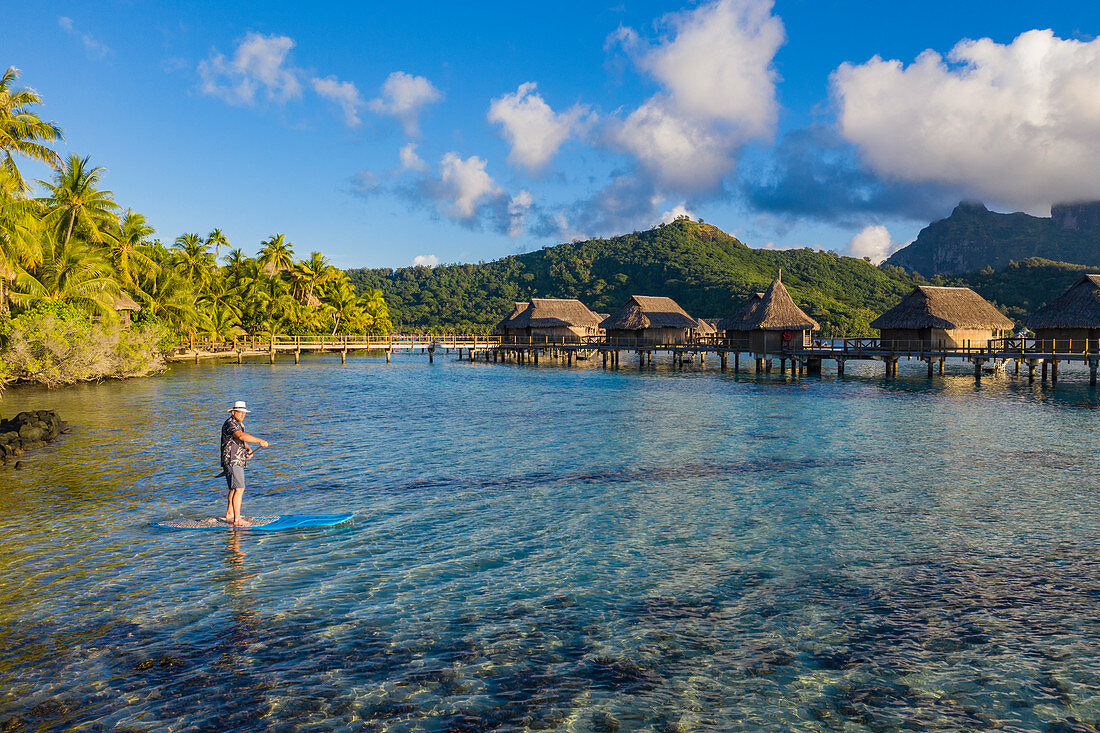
(803, 358)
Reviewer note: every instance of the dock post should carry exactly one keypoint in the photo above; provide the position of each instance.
(343, 357)
(271, 357)
(569, 357)
(702, 357)
(387, 356)
(840, 367)
(1044, 370)
(1017, 362)
(782, 366)
(941, 365)
(722, 356)
(978, 370)
(298, 356)
(239, 352)
(1054, 373)
(930, 367)
(1092, 372)
(1031, 370)
(736, 360)
(431, 355)
(604, 355)
(536, 357)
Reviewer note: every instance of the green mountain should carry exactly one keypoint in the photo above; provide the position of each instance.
(973, 238)
(1021, 287)
(704, 269)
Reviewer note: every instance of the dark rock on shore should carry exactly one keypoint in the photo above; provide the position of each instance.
(29, 430)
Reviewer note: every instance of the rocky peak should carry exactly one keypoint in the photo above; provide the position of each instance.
(1076, 215)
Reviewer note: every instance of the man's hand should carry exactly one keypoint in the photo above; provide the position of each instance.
(263, 443)
(250, 451)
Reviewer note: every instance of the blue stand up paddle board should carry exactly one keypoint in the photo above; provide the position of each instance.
(261, 524)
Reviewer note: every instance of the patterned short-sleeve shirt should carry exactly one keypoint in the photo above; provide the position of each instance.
(234, 450)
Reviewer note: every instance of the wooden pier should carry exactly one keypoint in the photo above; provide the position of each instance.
(803, 358)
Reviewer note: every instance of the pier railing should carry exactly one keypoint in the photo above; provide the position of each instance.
(1020, 347)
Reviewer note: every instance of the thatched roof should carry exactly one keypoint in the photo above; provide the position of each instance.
(730, 322)
(124, 302)
(706, 325)
(553, 312)
(511, 317)
(772, 310)
(647, 311)
(928, 306)
(1078, 307)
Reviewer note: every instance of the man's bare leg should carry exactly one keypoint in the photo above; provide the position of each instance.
(235, 514)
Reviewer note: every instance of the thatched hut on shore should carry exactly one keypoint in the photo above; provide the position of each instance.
(941, 317)
(770, 322)
(651, 320)
(1072, 320)
(553, 319)
(124, 305)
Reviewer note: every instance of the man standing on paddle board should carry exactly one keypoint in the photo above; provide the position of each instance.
(235, 452)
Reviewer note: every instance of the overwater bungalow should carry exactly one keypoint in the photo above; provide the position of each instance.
(507, 326)
(553, 319)
(124, 306)
(941, 317)
(1070, 322)
(770, 322)
(706, 326)
(651, 320)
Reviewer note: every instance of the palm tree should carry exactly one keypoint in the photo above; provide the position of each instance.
(308, 274)
(277, 254)
(218, 239)
(21, 131)
(70, 272)
(218, 323)
(75, 200)
(164, 294)
(20, 234)
(342, 303)
(376, 314)
(130, 249)
(193, 258)
(235, 261)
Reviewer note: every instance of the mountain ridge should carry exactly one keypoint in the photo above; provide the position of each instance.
(972, 237)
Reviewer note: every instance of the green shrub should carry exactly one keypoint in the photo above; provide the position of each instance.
(57, 345)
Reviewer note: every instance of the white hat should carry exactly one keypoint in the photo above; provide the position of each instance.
(238, 405)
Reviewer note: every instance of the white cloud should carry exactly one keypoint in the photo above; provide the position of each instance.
(425, 261)
(874, 242)
(410, 160)
(719, 65)
(531, 127)
(518, 206)
(680, 153)
(718, 84)
(675, 213)
(343, 93)
(464, 185)
(1017, 123)
(93, 46)
(258, 64)
(403, 97)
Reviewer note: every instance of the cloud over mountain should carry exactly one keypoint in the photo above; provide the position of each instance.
(1017, 123)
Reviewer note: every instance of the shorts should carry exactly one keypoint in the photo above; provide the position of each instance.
(234, 477)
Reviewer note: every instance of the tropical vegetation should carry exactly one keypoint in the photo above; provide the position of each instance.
(74, 264)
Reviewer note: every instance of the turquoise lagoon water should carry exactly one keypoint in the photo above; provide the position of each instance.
(546, 548)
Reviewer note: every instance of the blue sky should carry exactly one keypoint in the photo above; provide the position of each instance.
(379, 134)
